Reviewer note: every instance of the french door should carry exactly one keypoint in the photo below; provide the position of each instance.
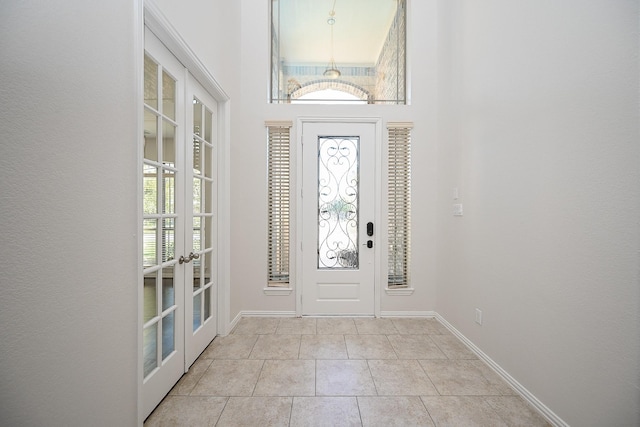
(338, 218)
(179, 221)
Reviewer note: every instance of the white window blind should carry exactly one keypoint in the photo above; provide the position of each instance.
(399, 202)
(279, 138)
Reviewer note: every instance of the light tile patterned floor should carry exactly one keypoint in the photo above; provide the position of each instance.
(341, 372)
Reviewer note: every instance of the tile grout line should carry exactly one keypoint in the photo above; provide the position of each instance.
(221, 412)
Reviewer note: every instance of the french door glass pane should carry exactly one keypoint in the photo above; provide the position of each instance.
(208, 170)
(207, 303)
(197, 233)
(169, 192)
(168, 143)
(197, 156)
(197, 311)
(196, 274)
(150, 348)
(208, 258)
(150, 309)
(168, 289)
(168, 334)
(150, 136)
(208, 202)
(197, 195)
(208, 124)
(149, 242)
(150, 189)
(168, 96)
(197, 117)
(338, 187)
(168, 239)
(150, 82)
(208, 236)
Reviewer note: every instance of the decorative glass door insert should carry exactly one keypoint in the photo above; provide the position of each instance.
(338, 194)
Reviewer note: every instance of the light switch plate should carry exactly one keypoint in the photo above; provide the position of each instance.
(457, 209)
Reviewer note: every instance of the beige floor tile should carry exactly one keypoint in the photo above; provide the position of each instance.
(452, 347)
(230, 347)
(276, 347)
(416, 326)
(194, 411)
(296, 325)
(325, 412)
(456, 411)
(415, 347)
(256, 326)
(400, 378)
(191, 378)
(458, 378)
(375, 326)
(336, 325)
(494, 379)
(256, 411)
(437, 328)
(344, 378)
(323, 347)
(277, 371)
(392, 411)
(287, 378)
(516, 412)
(369, 347)
(229, 378)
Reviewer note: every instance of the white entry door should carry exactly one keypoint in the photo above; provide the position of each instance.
(179, 221)
(338, 216)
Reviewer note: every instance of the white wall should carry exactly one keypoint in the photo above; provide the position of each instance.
(539, 130)
(68, 251)
(248, 156)
(211, 28)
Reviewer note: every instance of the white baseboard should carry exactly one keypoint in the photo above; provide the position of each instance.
(247, 313)
(519, 388)
(407, 314)
(234, 322)
(268, 313)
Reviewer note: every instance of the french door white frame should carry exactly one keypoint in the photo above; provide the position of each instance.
(152, 18)
(379, 237)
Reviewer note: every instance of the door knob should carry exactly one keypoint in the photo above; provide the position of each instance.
(185, 259)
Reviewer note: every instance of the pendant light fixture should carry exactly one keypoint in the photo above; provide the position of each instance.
(332, 71)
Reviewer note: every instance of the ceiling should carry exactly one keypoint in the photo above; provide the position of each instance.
(360, 29)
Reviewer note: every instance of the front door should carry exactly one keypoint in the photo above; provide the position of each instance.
(338, 216)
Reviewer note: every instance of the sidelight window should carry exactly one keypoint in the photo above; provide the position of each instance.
(399, 202)
(278, 148)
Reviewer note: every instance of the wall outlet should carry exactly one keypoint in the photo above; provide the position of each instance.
(478, 316)
(457, 209)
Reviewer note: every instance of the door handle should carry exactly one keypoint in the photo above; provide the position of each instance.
(369, 229)
(185, 259)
